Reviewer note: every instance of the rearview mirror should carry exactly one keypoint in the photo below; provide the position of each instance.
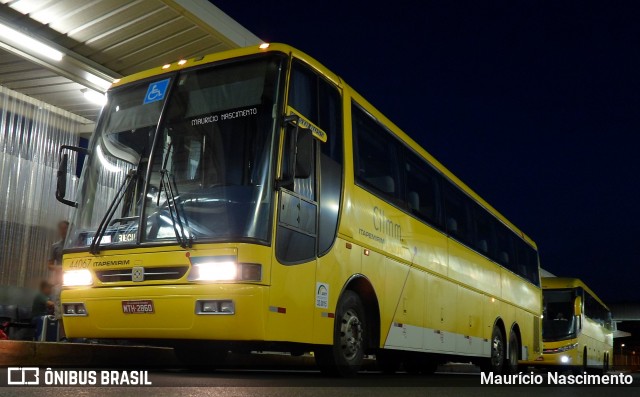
(61, 185)
(63, 170)
(577, 306)
(297, 155)
(304, 153)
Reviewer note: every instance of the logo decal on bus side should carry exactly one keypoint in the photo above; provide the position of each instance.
(322, 295)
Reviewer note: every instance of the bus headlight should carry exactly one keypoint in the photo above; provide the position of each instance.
(223, 269)
(215, 271)
(75, 278)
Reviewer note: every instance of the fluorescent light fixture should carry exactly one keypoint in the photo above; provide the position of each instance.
(99, 81)
(94, 97)
(24, 42)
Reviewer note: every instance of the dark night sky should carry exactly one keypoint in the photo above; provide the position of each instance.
(533, 104)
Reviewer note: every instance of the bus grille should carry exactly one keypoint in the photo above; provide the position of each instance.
(149, 274)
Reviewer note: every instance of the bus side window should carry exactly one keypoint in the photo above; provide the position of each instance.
(527, 262)
(422, 189)
(456, 208)
(320, 102)
(375, 157)
(505, 253)
(484, 242)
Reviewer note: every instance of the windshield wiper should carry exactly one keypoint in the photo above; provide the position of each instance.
(104, 223)
(185, 239)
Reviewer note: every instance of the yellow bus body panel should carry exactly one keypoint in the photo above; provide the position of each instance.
(434, 294)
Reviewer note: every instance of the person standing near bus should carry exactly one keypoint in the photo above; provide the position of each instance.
(55, 272)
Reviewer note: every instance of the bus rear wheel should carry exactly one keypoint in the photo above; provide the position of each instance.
(496, 362)
(511, 362)
(345, 356)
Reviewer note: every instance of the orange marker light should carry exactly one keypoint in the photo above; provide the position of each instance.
(167, 66)
(182, 62)
(264, 46)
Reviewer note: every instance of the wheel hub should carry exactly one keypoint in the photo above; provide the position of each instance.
(350, 334)
(496, 351)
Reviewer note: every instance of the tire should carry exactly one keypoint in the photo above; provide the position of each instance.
(200, 357)
(510, 366)
(344, 358)
(496, 362)
(605, 364)
(581, 369)
(388, 361)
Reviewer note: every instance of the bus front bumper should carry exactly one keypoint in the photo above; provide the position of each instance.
(562, 353)
(175, 312)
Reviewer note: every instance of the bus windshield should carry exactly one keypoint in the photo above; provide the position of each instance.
(206, 153)
(558, 322)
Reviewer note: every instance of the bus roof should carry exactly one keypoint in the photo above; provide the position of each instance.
(569, 282)
(286, 49)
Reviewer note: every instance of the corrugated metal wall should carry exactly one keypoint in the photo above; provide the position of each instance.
(30, 134)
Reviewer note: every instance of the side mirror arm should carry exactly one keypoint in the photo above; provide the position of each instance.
(63, 160)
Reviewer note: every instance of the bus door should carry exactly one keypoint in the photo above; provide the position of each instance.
(309, 203)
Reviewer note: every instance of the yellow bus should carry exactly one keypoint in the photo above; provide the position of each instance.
(251, 199)
(577, 329)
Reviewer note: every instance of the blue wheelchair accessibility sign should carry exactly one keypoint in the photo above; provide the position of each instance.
(156, 91)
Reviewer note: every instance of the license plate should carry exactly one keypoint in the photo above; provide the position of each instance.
(137, 307)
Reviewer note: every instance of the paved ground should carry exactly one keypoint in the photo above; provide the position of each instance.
(310, 383)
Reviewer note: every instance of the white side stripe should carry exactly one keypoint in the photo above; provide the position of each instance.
(411, 337)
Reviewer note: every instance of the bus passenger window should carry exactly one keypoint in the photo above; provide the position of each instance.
(375, 156)
(527, 262)
(422, 188)
(505, 254)
(456, 214)
(483, 231)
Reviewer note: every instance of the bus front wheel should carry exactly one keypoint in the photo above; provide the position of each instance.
(580, 369)
(345, 356)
